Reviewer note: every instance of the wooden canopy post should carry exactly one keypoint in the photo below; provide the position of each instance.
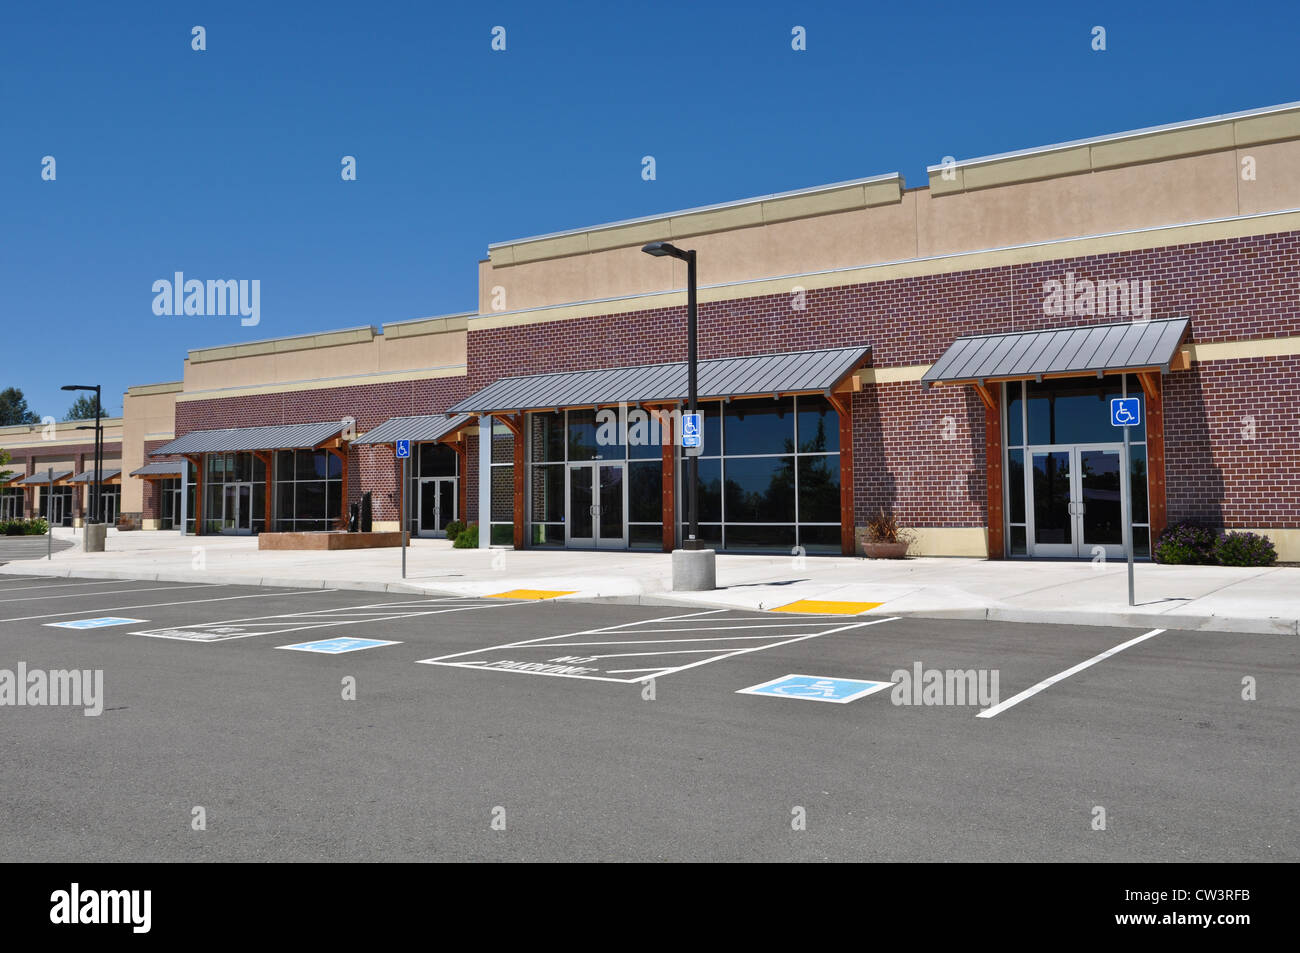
(668, 476)
(993, 466)
(1157, 504)
(843, 404)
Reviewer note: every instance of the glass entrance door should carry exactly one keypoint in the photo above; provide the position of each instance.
(597, 506)
(1077, 501)
(237, 503)
(437, 505)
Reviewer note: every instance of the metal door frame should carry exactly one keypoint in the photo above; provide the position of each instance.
(421, 532)
(1078, 548)
(595, 541)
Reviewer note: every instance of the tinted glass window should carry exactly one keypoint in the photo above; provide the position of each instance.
(1072, 411)
(759, 426)
(819, 426)
(760, 490)
(819, 490)
(645, 492)
(582, 435)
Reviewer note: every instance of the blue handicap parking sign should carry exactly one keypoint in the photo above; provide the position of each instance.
(93, 623)
(403, 449)
(816, 688)
(337, 646)
(1125, 411)
(691, 436)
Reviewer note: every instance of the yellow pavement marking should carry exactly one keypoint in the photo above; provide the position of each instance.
(823, 607)
(532, 594)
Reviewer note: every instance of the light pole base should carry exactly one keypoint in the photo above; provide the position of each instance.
(694, 570)
(93, 535)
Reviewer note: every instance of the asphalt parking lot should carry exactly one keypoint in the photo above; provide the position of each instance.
(491, 729)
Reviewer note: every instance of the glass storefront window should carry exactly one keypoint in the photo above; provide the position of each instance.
(1016, 485)
(759, 490)
(819, 489)
(758, 426)
(547, 437)
(819, 428)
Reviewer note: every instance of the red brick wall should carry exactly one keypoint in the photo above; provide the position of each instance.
(1232, 431)
(1232, 289)
(369, 467)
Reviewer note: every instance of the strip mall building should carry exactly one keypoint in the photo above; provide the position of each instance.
(945, 354)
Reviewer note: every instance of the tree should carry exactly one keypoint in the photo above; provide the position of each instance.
(14, 410)
(4, 458)
(83, 408)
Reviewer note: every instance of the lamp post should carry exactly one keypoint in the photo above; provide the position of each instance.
(95, 492)
(695, 570)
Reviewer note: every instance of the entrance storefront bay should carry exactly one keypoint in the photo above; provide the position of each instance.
(769, 478)
(435, 477)
(1065, 493)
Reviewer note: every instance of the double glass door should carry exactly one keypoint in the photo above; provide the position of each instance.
(1078, 501)
(597, 505)
(237, 508)
(437, 505)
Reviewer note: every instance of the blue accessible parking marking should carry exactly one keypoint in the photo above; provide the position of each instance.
(337, 646)
(93, 623)
(816, 688)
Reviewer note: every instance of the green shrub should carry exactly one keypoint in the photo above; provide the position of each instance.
(455, 528)
(1185, 544)
(36, 527)
(1244, 549)
(24, 527)
(11, 528)
(468, 537)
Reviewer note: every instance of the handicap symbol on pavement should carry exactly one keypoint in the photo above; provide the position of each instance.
(818, 688)
(92, 623)
(337, 646)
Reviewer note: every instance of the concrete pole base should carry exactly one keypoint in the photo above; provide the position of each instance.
(694, 570)
(93, 537)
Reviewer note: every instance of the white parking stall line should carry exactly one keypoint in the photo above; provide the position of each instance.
(112, 592)
(579, 666)
(1060, 676)
(61, 585)
(233, 629)
(187, 602)
(799, 638)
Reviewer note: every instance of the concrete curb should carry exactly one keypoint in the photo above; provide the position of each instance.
(1129, 620)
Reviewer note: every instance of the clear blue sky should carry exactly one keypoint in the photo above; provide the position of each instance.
(225, 163)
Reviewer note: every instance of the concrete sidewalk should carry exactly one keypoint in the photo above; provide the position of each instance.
(1079, 593)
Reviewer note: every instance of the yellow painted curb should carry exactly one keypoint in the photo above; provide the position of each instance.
(822, 607)
(532, 594)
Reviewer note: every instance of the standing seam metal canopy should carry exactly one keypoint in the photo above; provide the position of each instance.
(162, 468)
(236, 439)
(37, 479)
(755, 376)
(1079, 350)
(89, 476)
(419, 429)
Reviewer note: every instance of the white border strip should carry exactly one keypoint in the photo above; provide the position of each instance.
(1047, 682)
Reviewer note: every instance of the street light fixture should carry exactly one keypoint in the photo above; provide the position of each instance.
(96, 491)
(662, 250)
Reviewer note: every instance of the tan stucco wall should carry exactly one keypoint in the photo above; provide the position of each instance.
(427, 348)
(148, 413)
(1107, 198)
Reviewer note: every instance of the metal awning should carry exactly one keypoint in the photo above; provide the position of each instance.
(167, 468)
(89, 476)
(238, 439)
(418, 429)
(759, 375)
(40, 479)
(1060, 352)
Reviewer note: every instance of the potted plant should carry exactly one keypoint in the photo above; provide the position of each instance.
(885, 538)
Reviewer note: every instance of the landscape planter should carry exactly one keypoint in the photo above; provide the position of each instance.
(884, 550)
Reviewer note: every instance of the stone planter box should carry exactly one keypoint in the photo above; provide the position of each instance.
(328, 540)
(874, 550)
